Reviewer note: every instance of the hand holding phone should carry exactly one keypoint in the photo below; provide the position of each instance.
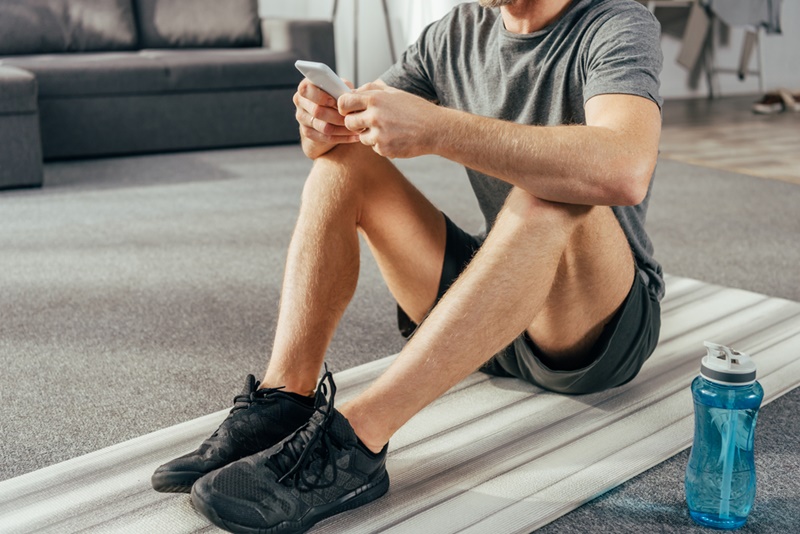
(323, 77)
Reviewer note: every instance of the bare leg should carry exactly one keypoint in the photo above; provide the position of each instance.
(559, 271)
(350, 189)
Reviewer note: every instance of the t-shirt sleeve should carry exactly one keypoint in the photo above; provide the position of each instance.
(624, 56)
(414, 71)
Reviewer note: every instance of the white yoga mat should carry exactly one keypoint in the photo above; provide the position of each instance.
(493, 455)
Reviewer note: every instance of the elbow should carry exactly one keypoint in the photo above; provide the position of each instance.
(634, 192)
(634, 181)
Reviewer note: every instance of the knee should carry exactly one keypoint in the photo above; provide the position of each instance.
(346, 155)
(338, 175)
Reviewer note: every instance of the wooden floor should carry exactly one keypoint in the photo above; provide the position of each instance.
(726, 134)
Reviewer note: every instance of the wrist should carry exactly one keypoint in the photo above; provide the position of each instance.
(439, 126)
(315, 149)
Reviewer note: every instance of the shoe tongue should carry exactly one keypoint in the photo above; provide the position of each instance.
(243, 399)
(250, 385)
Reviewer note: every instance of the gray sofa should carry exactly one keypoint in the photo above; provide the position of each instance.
(82, 78)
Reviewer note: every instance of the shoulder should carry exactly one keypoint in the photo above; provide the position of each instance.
(472, 13)
(614, 25)
(616, 15)
(465, 19)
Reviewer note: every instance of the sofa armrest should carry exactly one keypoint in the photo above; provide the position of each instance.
(18, 90)
(310, 39)
(20, 138)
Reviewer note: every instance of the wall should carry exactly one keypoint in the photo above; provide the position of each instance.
(408, 17)
(782, 65)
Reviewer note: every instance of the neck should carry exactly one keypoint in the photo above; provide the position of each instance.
(528, 16)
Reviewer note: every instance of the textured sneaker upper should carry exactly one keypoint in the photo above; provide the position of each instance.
(258, 420)
(258, 488)
(318, 471)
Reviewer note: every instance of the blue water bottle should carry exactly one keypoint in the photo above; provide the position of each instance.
(721, 475)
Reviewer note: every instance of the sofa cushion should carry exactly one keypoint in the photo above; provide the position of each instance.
(103, 73)
(44, 26)
(157, 71)
(223, 69)
(198, 23)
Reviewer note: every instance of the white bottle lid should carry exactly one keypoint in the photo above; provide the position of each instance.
(723, 365)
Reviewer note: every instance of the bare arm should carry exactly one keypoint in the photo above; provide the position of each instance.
(609, 161)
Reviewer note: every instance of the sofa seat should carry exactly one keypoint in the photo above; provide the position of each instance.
(92, 73)
(157, 71)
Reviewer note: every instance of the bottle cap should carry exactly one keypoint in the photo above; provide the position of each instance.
(726, 366)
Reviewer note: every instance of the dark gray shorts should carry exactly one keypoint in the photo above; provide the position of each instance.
(624, 345)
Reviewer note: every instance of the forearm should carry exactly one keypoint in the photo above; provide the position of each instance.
(577, 164)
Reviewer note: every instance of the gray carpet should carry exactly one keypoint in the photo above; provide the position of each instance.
(654, 501)
(137, 292)
(491, 455)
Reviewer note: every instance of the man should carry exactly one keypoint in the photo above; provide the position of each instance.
(553, 108)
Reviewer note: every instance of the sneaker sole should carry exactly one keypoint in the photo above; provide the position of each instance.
(174, 481)
(358, 497)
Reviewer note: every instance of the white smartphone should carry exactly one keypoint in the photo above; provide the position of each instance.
(323, 77)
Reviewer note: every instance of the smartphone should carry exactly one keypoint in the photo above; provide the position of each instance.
(323, 77)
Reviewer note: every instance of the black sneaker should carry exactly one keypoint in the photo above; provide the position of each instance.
(321, 470)
(259, 419)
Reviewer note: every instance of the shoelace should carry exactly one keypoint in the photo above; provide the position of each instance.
(311, 443)
(240, 402)
(257, 396)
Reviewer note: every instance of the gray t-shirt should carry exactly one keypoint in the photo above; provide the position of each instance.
(469, 61)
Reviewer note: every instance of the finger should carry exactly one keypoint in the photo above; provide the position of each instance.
(352, 102)
(348, 83)
(315, 94)
(368, 137)
(314, 135)
(356, 122)
(323, 113)
(327, 128)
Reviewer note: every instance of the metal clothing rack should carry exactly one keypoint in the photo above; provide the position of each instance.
(752, 39)
(355, 33)
(701, 29)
